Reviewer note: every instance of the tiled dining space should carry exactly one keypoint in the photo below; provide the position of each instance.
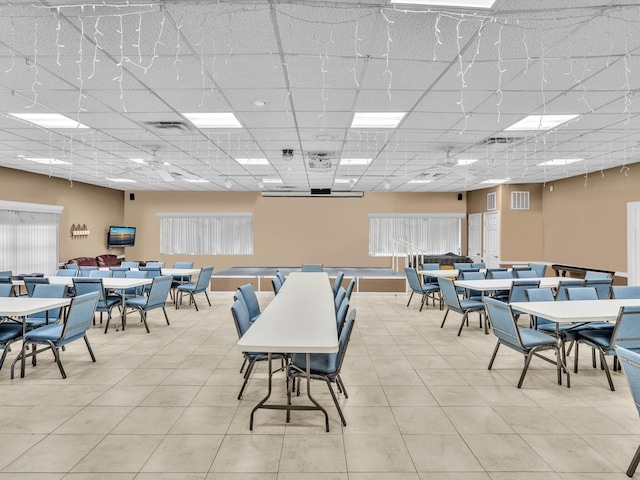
(422, 406)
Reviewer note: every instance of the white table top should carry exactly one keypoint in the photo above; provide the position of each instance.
(505, 284)
(107, 282)
(22, 306)
(575, 310)
(440, 273)
(300, 319)
(180, 271)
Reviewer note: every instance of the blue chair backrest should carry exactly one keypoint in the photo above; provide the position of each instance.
(582, 293)
(345, 335)
(64, 272)
(412, 278)
(241, 317)
(478, 265)
(84, 285)
(159, 291)
(280, 275)
(6, 274)
(539, 295)
(129, 264)
(625, 291)
(337, 283)
(342, 314)
(250, 299)
(350, 288)
(72, 266)
(561, 293)
(470, 275)
(499, 274)
(312, 267)
(101, 274)
(6, 290)
(591, 275)
(539, 268)
(503, 323)
(626, 333)
(118, 272)
(136, 274)
(152, 272)
(43, 290)
(602, 286)
(525, 274)
(182, 264)
(204, 279)
(461, 266)
(430, 278)
(87, 268)
(342, 293)
(31, 282)
(276, 284)
(154, 265)
(80, 316)
(631, 365)
(449, 293)
(519, 287)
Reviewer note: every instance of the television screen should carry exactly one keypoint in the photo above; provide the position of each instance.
(121, 236)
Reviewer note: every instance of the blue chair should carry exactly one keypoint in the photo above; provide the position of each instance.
(106, 302)
(453, 302)
(630, 361)
(539, 268)
(312, 267)
(496, 269)
(9, 332)
(101, 274)
(280, 275)
(527, 341)
(525, 274)
(350, 288)
(74, 327)
(518, 293)
(626, 334)
(135, 291)
(152, 272)
(322, 366)
(337, 283)
(341, 295)
(129, 265)
(119, 272)
(500, 274)
(625, 291)
(204, 279)
(561, 291)
(426, 278)
(247, 294)
(462, 266)
(6, 290)
(341, 315)
(157, 297)
(276, 284)
(153, 265)
(72, 266)
(5, 276)
(85, 269)
(425, 290)
(47, 317)
(31, 282)
(65, 272)
(471, 275)
(181, 279)
(591, 275)
(602, 286)
(479, 265)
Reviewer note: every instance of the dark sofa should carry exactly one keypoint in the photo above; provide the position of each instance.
(106, 260)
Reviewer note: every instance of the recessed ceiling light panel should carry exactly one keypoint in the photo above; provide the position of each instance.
(213, 120)
(196, 180)
(377, 119)
(252, 161)
(138, 160)
(354, 162)
(49, 120)
(466, 161)
(485, 4)
(540, 122)
(496, 181)
(420, 180)
(121, 180)
(345, 180)
(271, 180)
(47, 161)
(559, 162)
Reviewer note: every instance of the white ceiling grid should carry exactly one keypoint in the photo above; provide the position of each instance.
(461, 76)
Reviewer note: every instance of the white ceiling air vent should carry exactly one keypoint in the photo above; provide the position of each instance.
(320, 161)
(168, 126)
(500, 140)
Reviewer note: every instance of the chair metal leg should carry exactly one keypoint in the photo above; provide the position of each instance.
(445, 317)
(56, 355)
(527, 361)
(93, 357)
(192, 298)
(603, 362)
(634, 463)
(465, 317)
(493, 357)
(5, 350)
(410, 297)
(244, 362)
(165, 315)
(207, 295)
(335, 400)
(575, 359)
(341, 383)
(424, 297)
(593, 358)
(246, 378)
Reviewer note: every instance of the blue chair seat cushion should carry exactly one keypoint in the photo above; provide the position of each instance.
(535, 338)
(40, 321)
(139, 301)
(9, 332)
(323, 363)
(187, 286)
(429, 287)
(48, 332)
(469, 304)
(599, 337)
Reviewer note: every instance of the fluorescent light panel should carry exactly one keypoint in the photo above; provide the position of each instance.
(252, 161)
(49, 120)
(121, 180)
(558, 162)
(377, 119)
(496, 181)
(213, 120)
(467, 161)
(355, 161)
(47, 161)
(196, 180)
(540, 122)
(138, 160)
(420, 180)
(345, 180)
(271, 180)
(450, 3)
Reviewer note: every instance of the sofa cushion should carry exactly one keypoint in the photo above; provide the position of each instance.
(108, 260)
(84, 261)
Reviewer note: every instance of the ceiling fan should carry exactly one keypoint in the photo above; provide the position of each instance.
(447, 166)
(159, 167)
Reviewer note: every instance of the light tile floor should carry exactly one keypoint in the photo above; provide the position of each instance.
(422, 406)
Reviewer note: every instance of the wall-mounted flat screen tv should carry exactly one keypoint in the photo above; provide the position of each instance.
(121, 236)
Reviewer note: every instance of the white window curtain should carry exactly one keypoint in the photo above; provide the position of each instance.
(432, 234)
(206, 233)
(29, 237)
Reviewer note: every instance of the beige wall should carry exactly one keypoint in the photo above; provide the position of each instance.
(586, 224)
(97, 207)
(287, 231)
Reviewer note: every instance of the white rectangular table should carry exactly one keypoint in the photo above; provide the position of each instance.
(300, 319)
(575, 310)
(22, 307)
(505, 284)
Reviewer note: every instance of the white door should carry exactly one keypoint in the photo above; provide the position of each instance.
(633, 243)
(491, 252)
(475, 237)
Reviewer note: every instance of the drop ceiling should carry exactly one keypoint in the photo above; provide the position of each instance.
(294, 74)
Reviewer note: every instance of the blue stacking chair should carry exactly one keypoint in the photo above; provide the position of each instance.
(102, 274)
(204, 279)
(591, 275)
(337, 283)
(106, 302)
(625, 291)
(561, 290)
(180, 279)
(500, 274)
(471, 275)
(153, 265)
(625, 333)
(602, 286)
(9, 331)
(478, 265)
(312, 267)
(65, 272)
(462, 266)
(518, 293)
(152, 272)
(276, 284)
(524, 340)
(157, 297)
(341, 315)
(31, 282)
(74, 327)
(323, 366)
(247, 294)
(129, 265)
(350, 288)
(539, 268)
(135, 291)
(528, 273)
(85, 269)
(341, 295)
(453, 302)
(423, 289)
(6, 290)
(72, 266)
(280, 275)
(42, 290)
(630, 361)
(426, 278)
(119, 272)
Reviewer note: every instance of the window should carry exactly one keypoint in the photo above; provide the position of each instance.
(519, 200)
(206, 233)
(436, 234)
(491, 201)
(29, 237)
